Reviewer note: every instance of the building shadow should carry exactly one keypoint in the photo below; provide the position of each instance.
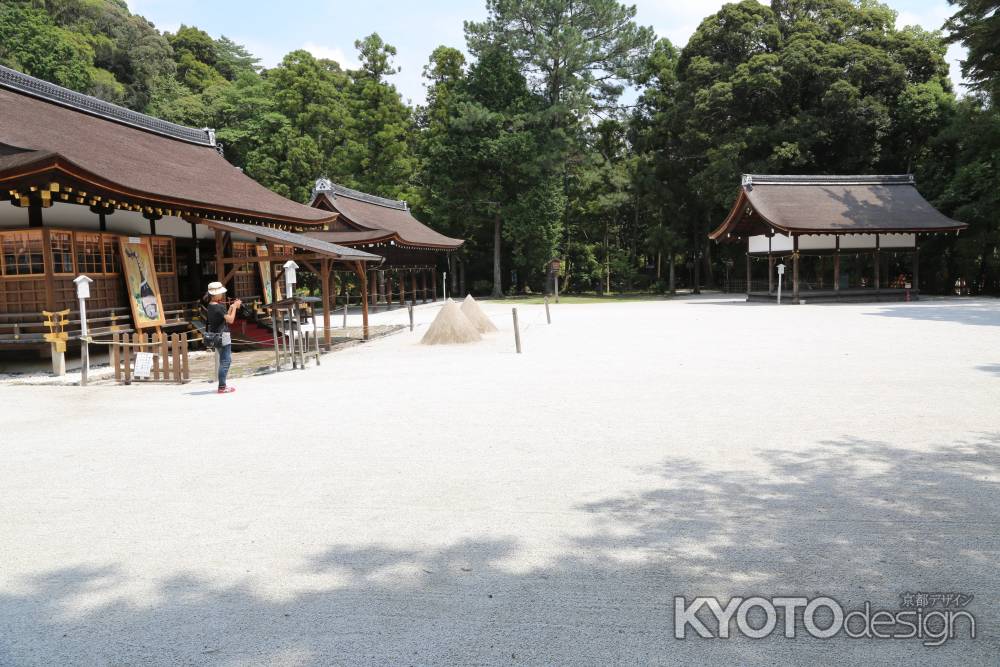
(975, 312)
(851, 518)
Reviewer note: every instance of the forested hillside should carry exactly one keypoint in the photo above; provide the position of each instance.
(525, 147)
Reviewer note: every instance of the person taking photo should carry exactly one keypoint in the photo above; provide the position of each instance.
(218, 319)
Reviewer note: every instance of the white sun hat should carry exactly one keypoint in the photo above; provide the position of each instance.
(215, 289)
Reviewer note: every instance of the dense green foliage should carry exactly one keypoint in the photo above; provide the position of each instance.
(529, 151)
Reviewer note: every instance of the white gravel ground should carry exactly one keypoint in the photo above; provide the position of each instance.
(405, 504)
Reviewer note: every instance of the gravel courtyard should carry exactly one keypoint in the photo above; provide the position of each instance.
(404, 504)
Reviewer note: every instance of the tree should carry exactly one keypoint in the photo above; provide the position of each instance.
(805, 86)
(578, 53)
(32, 43)
(977, 25)
(383, 126)
(483, 163)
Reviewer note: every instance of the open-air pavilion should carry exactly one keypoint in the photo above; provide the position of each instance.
(93, 187)
(846, 237)
(412, 250)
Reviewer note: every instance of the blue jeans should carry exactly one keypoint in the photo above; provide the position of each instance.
(225, 359)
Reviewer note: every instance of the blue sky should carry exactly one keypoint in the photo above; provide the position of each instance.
(328, 28)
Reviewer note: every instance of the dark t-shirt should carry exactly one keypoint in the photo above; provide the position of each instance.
(217, 318)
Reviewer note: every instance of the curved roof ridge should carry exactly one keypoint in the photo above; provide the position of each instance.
(328, 186)
(50, 92)
(823, 179)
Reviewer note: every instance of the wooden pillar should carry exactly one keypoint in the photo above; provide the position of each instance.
(325, 280)
(220, 267)
(400, 276)
(413, 286)
(35, 214)
(877, 256)
(102, 221)
(423, 286)
(770, 273)
(795, 275)
(380, 287)
(49, 268)
(836, 272)
(748, 272)
(916, 268)
(434, 284)
(359, 268)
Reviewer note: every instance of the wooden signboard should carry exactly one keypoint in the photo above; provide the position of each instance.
(265, 274)
(140, 282)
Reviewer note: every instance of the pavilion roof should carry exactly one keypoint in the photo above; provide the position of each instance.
(832, 205)
(49, 132)
(371, 218)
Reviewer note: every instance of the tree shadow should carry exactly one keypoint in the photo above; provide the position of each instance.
(851, 518)
(990, 368)
(975, 312)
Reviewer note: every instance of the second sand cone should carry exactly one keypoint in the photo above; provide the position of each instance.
(476, 315)
(451, 326)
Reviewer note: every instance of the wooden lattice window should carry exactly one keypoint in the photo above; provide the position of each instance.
(163, 255)
(112, 262)
(61, 244)
(89, 254)
(22, 253)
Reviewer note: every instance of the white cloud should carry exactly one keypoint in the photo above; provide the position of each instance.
(332, 53)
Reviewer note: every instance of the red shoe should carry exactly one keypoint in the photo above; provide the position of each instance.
(226, 390)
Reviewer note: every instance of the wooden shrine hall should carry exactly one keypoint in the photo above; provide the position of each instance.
(411, 249)
(846, 237)
(151, 211)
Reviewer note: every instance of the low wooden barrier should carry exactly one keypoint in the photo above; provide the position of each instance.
(170, 357)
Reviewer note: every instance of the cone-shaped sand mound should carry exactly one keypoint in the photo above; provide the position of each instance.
(451, 326)
(476, 315)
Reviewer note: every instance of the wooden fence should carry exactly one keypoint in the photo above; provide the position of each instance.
(170, 357)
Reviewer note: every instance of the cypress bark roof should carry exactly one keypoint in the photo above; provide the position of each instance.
(832, 205)
(371, 218)
(49, 128)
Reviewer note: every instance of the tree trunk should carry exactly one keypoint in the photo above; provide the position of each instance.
(673, 285)
(497, 275)
(659, 263)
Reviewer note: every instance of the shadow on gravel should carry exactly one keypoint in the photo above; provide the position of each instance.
(854, 519)
(979, 312)
(990, 368)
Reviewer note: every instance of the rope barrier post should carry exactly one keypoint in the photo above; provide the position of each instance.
(409, 307)
(548, 316)
(274, 336)
(115, 360)
(517, 332)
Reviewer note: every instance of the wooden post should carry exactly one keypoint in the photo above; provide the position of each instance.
(115, 359)
(517, 332)
(175, 350)
(413, 287)
(877, 256)
(409, 307)
(423, 286)
(795, 276)
(127, 353)
(916, 268)
(402, 288)
(220, 267)
(185, 368)
(434, 284)
(548, 317)
(748, 272)
(347, 303)
(359, 269)
(325, 279)
(836, 268)
(770, 273)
